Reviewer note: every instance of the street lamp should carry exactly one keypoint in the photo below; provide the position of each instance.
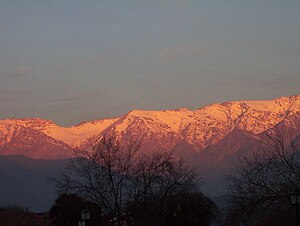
(295, 201)
(85, 217)
(81, 223)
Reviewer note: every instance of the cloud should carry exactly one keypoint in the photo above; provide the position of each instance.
(22, 71)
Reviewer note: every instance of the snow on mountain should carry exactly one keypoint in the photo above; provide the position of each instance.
(197, 129)
(18, 139)
(156, 129)
(76, 135)
(72, 136)
(205, 126)
(39, 138)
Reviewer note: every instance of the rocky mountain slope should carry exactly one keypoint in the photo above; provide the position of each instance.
(217, 129)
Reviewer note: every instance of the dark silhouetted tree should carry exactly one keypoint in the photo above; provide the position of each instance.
(259, 190)
(119, 176)
(66, 211)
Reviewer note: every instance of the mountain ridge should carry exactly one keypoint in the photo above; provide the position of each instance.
(160, 130)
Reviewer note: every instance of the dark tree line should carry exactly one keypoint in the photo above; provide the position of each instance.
(154, 188)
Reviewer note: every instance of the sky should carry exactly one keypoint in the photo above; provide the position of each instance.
(74, 61)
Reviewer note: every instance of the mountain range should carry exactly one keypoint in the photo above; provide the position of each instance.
(207, 129)
(212, 138)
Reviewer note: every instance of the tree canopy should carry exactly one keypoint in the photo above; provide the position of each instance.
(125, 181)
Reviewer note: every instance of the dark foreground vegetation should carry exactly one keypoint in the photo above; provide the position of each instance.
(135, 188)
(260, 190)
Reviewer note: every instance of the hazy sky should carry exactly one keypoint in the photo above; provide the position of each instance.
(71, 61)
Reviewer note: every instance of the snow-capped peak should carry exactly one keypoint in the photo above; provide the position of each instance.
(201, 128)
